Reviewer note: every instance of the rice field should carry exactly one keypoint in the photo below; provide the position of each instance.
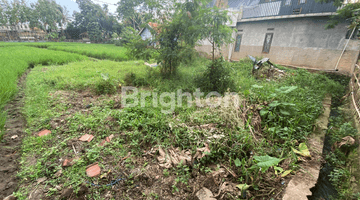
(99, 51)
(15, 59)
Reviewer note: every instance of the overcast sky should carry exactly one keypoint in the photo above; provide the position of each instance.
(72, 6)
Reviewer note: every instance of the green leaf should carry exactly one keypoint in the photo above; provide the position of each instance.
(286, 89)
(265, 162)
(274, 104)
(278, 169)
(284, 112)
(287, 172)
(303, 150)
(105, 76)
(243, 187)
(263, 112)
(288, 104)
(237, 162)
(257, 86)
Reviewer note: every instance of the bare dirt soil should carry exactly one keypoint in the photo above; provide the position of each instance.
(10, 147)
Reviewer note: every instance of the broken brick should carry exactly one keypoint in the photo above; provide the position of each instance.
(44, 133)
(67, 163)
(107, 139)
(86, 138)
(93, 170)
(102, 143)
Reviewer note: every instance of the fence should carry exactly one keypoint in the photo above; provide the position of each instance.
(355, 91)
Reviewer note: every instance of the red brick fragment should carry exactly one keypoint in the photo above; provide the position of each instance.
(107, 139)
(67, 163)
(44, 133)
(93, 170)
(86, 138)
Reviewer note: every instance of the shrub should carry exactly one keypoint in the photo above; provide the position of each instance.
(62, 38)
(128, 35)
(140, 49)
(216, 77)
(132, 80)
(105, 85)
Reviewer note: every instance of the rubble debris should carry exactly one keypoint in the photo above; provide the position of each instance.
(14, 137)
(44, 133)
(58, 173)
(40, 180)
(205, 194)
(93, 170)
(86, 138)
(67, 163)
(107, 139)
(70, 162)
(271, 72)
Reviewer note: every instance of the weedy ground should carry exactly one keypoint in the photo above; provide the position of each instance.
(249, 144)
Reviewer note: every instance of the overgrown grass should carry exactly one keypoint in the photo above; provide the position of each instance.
(99, 51)
(15, 60)
(288, 109)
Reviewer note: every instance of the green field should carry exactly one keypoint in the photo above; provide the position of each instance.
(72, 95)
(15, 60)
(99, 51)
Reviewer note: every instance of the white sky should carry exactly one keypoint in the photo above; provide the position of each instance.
(72, 6)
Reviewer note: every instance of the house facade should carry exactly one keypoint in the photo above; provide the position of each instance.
(292, 33)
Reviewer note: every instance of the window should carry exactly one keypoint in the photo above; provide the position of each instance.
(302, 2)
(267, 42)
(297, 11)
(238, 43)
(287, 2)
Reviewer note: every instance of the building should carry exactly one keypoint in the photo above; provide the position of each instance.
(292, 33)
(145, 33)
(20, 32)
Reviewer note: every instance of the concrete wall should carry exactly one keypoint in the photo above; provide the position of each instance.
(206, 48)
(302, 42)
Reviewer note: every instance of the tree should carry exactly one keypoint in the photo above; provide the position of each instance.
(94, 31)
(135, 13)
(180, 34)
(96, 17)
(48, 15)
(14, 12)
(349, 12)
(215, 28)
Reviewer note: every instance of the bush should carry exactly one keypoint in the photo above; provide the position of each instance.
(105, 85)
(216, 77)
(62, 38)
(140, 49)
(128, 35)
(132, 80)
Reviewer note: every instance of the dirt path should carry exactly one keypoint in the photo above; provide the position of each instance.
(10, 147)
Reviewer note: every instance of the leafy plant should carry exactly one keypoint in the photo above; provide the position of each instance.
(265, 162)
(217, 77)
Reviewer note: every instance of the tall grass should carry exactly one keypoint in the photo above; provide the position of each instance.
(15, 59)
